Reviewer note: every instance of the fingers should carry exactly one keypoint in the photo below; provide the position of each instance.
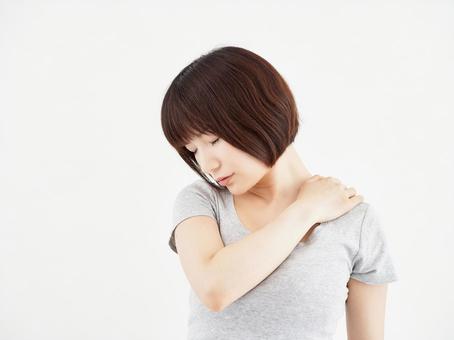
(350, 192)
(334, 179)
(314, 177)
(353, 197)
(356, 199)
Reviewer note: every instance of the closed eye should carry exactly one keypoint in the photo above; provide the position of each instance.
(212, 143)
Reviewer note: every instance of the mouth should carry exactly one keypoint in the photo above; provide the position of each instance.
(224, 180)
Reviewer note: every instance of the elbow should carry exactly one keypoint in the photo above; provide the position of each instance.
(214, 302)
(214, 305)
(214, 299)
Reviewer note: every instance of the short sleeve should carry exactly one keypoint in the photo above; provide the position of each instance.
(195, 199)
(373, 263)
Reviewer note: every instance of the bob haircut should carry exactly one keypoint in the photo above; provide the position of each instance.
(235, 94)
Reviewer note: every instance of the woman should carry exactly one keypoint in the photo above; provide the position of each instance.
(271, 252)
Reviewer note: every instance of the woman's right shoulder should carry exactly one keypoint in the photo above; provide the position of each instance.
(201, 187)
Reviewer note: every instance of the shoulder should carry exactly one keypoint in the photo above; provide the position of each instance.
(362, 223)
(199, 187)
(194, 199)
(355, 215)
(350, 224)
(200, 191)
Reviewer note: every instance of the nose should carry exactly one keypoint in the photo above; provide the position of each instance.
(208, 164)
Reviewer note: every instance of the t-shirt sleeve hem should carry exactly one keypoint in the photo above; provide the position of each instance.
(172, 242)
(375, 281)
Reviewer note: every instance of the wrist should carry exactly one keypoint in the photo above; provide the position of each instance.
(303, 213)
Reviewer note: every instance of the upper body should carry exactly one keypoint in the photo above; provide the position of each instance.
(306, 295)
(231, 112)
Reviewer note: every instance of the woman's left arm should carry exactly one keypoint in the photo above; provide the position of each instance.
(365, 310)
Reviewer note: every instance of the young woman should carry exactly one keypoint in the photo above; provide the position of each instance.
(271, 252)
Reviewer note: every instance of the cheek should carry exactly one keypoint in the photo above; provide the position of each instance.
(241, 162)
(246, 166)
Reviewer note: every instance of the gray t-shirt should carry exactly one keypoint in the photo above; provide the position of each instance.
(305, 296)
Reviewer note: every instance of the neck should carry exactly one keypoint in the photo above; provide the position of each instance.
(283, 181)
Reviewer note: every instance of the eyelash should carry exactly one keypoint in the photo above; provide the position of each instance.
(212, 143)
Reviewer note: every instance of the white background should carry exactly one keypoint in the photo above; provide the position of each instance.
(87, 179)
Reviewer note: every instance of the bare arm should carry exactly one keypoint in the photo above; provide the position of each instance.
(365, 310)
(221, 274)
(240, 266)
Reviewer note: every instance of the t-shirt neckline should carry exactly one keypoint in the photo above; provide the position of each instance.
(237, 218)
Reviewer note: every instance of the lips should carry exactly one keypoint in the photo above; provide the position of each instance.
(225, 181)
(221, 178)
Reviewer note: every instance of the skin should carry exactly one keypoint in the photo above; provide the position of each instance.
(252, 179)
(262, 188)
(365, 310)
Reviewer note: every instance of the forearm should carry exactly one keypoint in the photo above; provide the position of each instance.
(240, 266)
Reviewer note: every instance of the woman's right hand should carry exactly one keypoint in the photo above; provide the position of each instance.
(326, 198)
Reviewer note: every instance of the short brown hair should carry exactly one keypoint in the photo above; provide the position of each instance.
(235, 94)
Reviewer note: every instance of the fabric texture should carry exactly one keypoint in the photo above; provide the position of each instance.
(305, 296)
